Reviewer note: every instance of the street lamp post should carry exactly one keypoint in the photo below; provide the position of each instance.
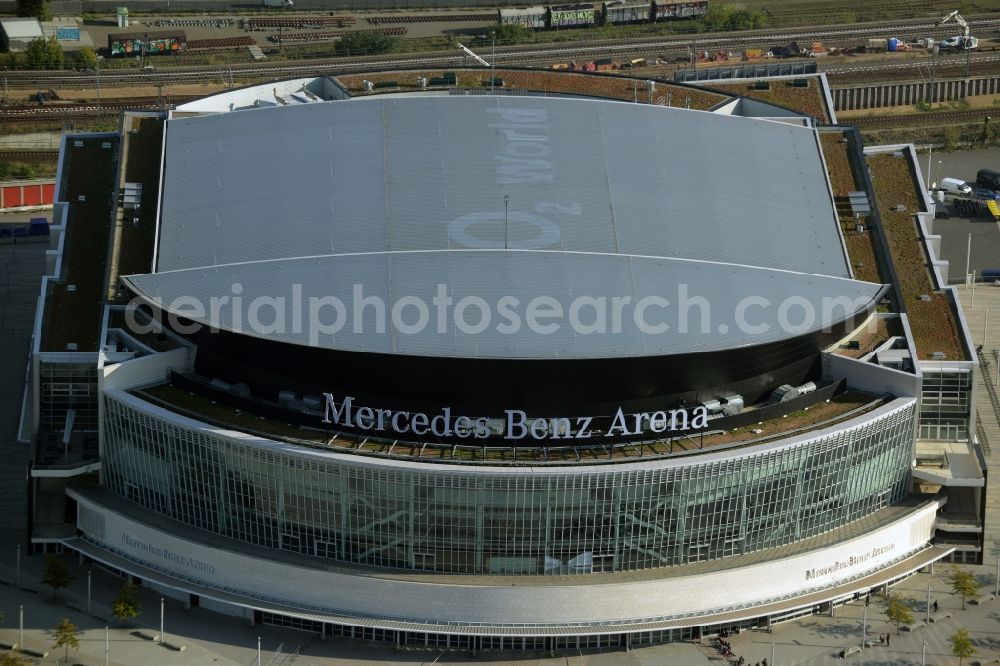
(968, 256)
(107, 645)
(258, 651)
(928, 603)
(88, 593)
(506, 222)
(864, 626)
(161, 619)
(930, 153)
(99, 59)
(20, 627)
(923, 655)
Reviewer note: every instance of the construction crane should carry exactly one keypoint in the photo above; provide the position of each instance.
(468, 52)
(482, 62)
(966, 41)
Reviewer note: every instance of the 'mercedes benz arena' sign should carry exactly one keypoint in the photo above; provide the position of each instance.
(852, 561)
(515, 424)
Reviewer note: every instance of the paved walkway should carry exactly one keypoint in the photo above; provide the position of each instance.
(983, 316)
(209, 638)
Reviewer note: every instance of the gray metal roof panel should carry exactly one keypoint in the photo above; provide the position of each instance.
(619, 199)
(400, 174)
(590, 280)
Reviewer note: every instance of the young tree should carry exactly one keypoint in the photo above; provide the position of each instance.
(961, 645)
(964, 583)
(951, 137)
(510, 33)
(897, 611)
(43, 53)
(126, 605)
(87, 57)
(66, 636)
(56, 574)
(360, 41)
(717, 17)
(38, 9)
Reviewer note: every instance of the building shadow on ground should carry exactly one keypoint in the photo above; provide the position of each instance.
(839, 630)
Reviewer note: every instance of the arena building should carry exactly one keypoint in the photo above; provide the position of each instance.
(495, 371)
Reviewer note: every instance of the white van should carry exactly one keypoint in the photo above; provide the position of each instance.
(955, 186)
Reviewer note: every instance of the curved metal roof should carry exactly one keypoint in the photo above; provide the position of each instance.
(564, 197)
(509, 303)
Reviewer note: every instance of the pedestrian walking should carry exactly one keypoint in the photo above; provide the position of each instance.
(887, 640)
(935, 606)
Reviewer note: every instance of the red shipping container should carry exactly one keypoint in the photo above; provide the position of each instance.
(12, 196)
(32, 195)
(48, 193)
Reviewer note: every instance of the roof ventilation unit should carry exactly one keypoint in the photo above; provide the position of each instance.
(220, 385)
(733, 404)
(286, 398)
(712, 406)
(783, 393)
(367, 85)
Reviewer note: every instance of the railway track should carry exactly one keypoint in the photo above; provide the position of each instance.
(43, 112)
(431, 18)
(529, 54)
(28, 155)
(923, 119)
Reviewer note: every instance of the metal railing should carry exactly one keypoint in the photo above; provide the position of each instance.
(984, 366)
(981, 434)
(939, 460)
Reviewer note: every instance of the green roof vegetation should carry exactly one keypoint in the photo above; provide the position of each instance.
(74, 305)
(932, 321)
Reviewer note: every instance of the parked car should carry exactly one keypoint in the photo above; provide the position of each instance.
(983, 193)
(989, 179)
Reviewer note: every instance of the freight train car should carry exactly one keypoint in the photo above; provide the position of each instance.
(127, 44)
(614, 12)
(572, 16)
(625, 11)
(668, 10)
(532, 17)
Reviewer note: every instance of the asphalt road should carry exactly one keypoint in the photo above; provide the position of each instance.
(955, 232)
(21, 267)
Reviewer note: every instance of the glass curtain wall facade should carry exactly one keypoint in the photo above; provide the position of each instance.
(945, 405)
(65, 386)
(564, 520)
